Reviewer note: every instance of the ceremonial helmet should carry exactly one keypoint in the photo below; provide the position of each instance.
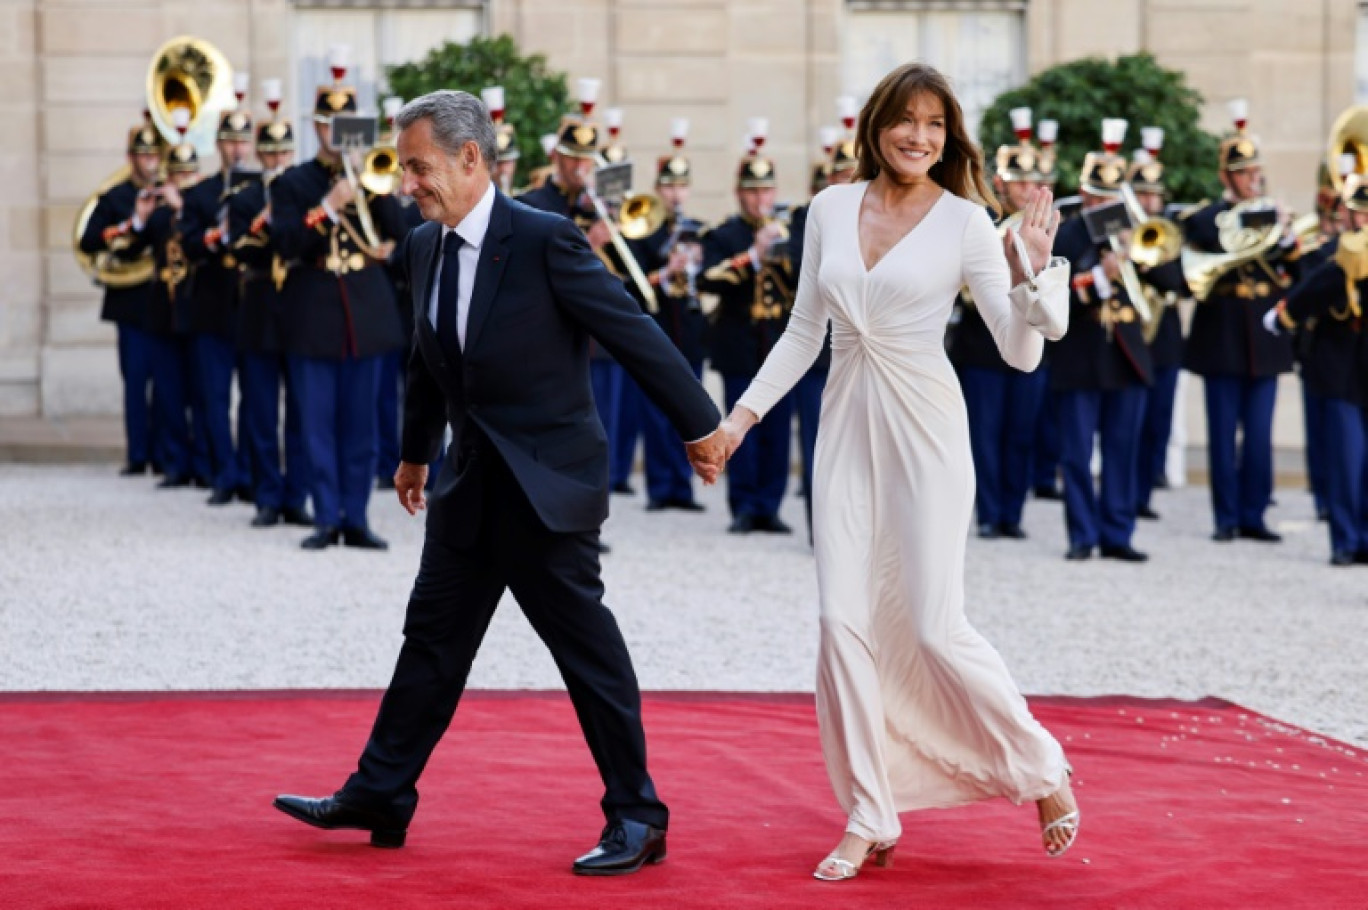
(843, 156)
(613, 151)
(335, 98)
(1239, 150)
(275, 136)
(755, 170)
(182, 158)
(1018, 161)
(1047, 131)
(235, 126)
(505, 136)
(674, 169)
(1354, 193)
(1103, 172)
(578, 137)
(144, 138)
(1146, 174)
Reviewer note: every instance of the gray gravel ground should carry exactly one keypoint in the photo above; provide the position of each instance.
(106, 583)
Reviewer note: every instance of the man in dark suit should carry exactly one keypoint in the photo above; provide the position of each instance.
(505, 300)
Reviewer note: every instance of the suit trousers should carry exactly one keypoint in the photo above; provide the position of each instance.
(1241, 483)
(668, 474)
(757, 474)
(555, 579)
(1109, 518)
(1346, 475)
(337, 406)
(136, 351)
(1004, 409)
(1155, 430)
(261, 378)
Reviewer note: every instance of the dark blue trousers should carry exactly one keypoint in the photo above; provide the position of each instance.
(757, 474)
(1045, 463)
(1313, 414)
(337, 406)
(807, 402)
(630, 425)
(387, 414)
(136, 352)
(215, 359)
(668, 474)
(246, 470)
(1346, 474)
(261, 379)
(171, 379)
(1107, 518)
(1155, 430)
(1241, 482)
(201, 456)
(1004, 411)
(606, 377)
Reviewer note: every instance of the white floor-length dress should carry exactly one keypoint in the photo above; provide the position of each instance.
(916, 709)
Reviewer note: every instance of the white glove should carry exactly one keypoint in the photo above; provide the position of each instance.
(1270, 322)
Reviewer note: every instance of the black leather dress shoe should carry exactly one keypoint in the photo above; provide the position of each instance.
(244, 494)
(364, 538)
(1048, 493)
(173, 481)
(330, 813)
(1361, 557)
(1343, 558)
(134, 469)
(220, 498)
(1015, 532)
(684, 505)
(266, 517)
(602, 547)
(1260, 533)
(199, 483)
(742, 524)
(624, 847)
(1078, 553)
(1147, 513)
(299, 517)
(989, 531)
(1125, 554)
(624, 488)
(1322, 515)
(1223, 535)
(771, 524)
(321, 539)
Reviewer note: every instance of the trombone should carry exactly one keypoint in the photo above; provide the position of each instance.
(641, 214)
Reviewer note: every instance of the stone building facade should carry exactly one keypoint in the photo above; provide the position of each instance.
(75, 71)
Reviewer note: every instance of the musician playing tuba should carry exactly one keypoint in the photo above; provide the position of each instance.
(124, 269)
(340, 315)
(1247, 260)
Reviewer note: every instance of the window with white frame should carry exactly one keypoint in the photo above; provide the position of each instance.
(979, 44)
(378, 37)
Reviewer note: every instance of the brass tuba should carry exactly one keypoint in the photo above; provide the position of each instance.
(1349, 135)
(184, 72)
(1241, 244)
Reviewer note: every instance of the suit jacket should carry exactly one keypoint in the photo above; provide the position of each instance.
(1088, 357)
(125, 305)
(520, 386)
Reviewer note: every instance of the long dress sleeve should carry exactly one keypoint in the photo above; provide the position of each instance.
(1020, 318)
(805, 334)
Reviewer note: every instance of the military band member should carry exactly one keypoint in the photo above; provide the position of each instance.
(156, 224)
(1099, 372)
(341, 317)
(671, 258)
(1003, 403)
(1238, 361)
(279, 495)
(109, 231)
(1328, 305)
(387, 414)
(1146, 178)
(505, 139)
(755, 294)
(1045, 452)
(213, 296)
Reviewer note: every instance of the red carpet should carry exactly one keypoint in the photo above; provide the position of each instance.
(151, 801)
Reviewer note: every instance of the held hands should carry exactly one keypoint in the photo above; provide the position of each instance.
(1039, 224)
(409, 482)
(708, 456)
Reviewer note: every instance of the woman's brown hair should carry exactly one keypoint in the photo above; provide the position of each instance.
(960, 169)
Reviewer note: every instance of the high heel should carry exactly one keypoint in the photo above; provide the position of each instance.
(881, 851)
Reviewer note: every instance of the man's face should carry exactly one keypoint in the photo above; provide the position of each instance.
(572, 173)
(323, 131)
(1246, 183)
(674, 195)
(504, 171)
(845, 175)
(1091, 201)
(440, 183)
(276, 161)
(756, 202)
(144, 165)
(1152, 203)
(234, 152)
(1357, 220)
(1016, 193)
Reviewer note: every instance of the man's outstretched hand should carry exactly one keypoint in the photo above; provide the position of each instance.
(409, 482)
(708, 456)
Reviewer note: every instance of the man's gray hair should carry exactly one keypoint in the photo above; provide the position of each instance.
(457, 118)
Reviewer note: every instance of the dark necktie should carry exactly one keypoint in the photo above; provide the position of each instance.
(448, 296)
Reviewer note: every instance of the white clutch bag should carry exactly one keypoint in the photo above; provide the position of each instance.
(1043, 299)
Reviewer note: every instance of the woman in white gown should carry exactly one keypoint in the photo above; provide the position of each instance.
(916, 709)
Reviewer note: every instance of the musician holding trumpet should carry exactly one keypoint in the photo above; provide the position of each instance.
(341, 316)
